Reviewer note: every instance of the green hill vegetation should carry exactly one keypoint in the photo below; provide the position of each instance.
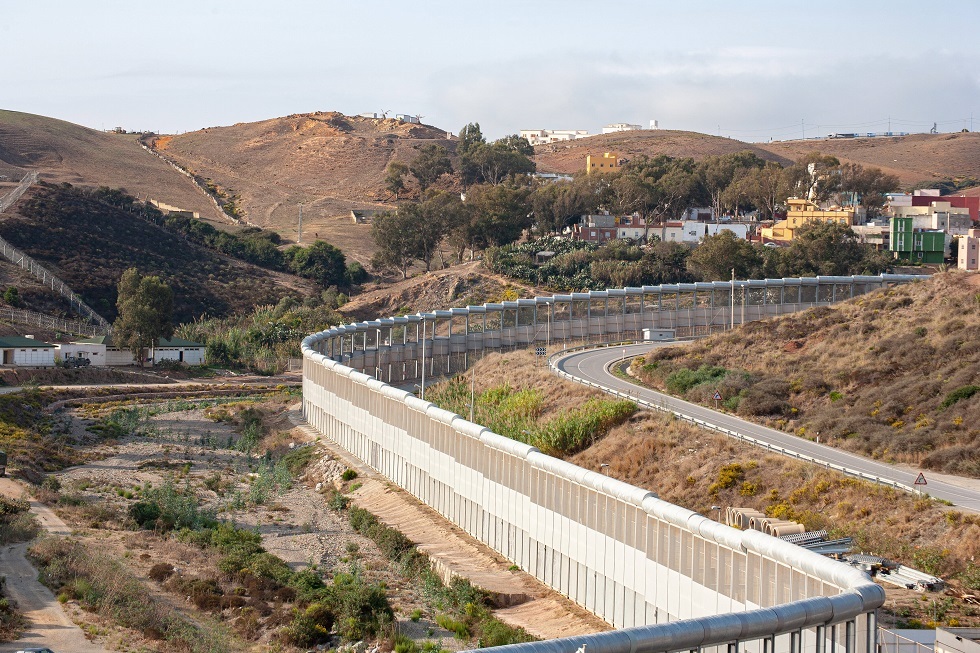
(892, 375)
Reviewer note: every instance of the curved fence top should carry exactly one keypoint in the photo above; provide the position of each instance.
(663, 289)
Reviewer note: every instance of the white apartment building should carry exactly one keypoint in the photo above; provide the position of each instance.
(546, 136)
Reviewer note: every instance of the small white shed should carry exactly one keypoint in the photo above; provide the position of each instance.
(175, 349)
(22, 351)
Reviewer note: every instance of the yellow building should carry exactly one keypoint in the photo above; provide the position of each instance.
(800, 212)
(608, 162)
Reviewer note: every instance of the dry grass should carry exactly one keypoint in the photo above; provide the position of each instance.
(684, 465)
(870, 375)
(65, 152)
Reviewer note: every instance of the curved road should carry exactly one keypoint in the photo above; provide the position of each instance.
(591, 367)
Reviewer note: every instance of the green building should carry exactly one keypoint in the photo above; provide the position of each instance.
(916, 245)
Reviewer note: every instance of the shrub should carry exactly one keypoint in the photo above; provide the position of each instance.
(959, 394)
(349, 474)
(728, 477)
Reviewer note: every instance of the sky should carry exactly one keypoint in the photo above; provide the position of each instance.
(754, 70)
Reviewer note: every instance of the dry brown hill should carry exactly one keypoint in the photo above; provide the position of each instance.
(914, 159)
(893, 375)
(65, 152)
(570, 156)
(328, 162)
(460, 285)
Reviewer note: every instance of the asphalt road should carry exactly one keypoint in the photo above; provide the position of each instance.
(592, 365)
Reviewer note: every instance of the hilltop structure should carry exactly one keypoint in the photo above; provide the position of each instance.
(547, 136)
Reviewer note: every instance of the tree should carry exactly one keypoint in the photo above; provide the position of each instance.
(814, 177)
(431, 163)
(494, 216)
(470, 138)
(11, 296)
(502, 159)
(719, 172)
(765, 188)
(717, 256)
(824, 248)
(395, 177)
(321, 262)
(145, 307)
(557, 205)
(866, 186)
(393, 235)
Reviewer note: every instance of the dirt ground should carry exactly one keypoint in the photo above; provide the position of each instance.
(297, 525)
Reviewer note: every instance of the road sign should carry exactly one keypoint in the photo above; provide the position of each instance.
(540, 351)
(717, 396)
(920, 479)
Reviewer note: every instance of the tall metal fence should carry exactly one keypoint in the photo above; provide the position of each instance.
(40, 272)
(48, 322)
(669, 578)
(10, 198)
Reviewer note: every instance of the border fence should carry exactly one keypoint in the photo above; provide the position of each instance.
(40, 272)
(668, 578)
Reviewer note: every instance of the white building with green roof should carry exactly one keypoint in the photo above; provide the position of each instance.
(23, 351)
(184, 351)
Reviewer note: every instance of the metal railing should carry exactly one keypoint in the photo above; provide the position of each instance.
(662, 407)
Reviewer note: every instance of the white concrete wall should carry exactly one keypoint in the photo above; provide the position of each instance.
(34, 356)
(94, 353)
(191, 355)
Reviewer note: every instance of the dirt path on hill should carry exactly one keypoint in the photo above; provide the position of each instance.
(49, 625)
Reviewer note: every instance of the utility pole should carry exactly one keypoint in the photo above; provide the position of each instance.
(299, 231)
(733, 299)
(422, 389)
(472, 391)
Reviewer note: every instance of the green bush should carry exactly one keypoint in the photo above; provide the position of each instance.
(682, 380)
(959, 394)
(349, 475)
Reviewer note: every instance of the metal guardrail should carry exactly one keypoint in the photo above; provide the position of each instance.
(714, 427)
(40, 272)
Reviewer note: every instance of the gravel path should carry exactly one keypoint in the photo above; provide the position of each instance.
(49, 625)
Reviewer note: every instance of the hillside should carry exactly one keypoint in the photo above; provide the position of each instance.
(460, 285)
(89, 244)
(65, 152)
(697, 469)
(569, 157)
(893, 375)
(914, 159)
(327, 162)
